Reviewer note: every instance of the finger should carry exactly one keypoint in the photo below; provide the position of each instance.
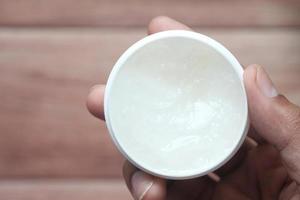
(143, 186)
(274, 117)
(163, 23)
(128, 171)
(252, 133)
(191, 188)
(95, 101)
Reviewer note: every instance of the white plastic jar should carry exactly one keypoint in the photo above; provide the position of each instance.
(175, 104)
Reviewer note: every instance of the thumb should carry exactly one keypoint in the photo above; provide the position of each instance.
(275, 118)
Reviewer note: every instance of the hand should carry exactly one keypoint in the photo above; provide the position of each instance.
(268, 170)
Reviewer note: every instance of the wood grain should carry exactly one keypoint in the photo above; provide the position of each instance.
(139, 12)
(63, 189)
(46, 130)
(45, 75)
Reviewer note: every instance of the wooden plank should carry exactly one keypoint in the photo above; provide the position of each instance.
(64, 189)
(139, 12)
(44, 80)
(45, 75)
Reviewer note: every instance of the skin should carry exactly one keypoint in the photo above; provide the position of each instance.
(268, 170)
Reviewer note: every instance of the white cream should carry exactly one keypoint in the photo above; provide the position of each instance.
(176, 106)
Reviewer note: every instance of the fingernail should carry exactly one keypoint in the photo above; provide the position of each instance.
(141, 184)
(264, 83)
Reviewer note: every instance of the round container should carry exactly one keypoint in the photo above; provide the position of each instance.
(175, 104)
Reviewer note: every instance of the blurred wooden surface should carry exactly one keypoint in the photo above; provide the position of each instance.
(52, 52)
(139, 12)
(63, 190)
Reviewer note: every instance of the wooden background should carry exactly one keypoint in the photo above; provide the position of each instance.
(53, 51)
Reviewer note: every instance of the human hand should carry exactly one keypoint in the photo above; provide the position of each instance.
(268, 170)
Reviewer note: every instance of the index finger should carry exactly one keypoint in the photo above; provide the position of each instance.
(95, 101)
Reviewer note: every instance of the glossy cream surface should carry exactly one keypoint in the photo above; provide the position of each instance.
(177, 107)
